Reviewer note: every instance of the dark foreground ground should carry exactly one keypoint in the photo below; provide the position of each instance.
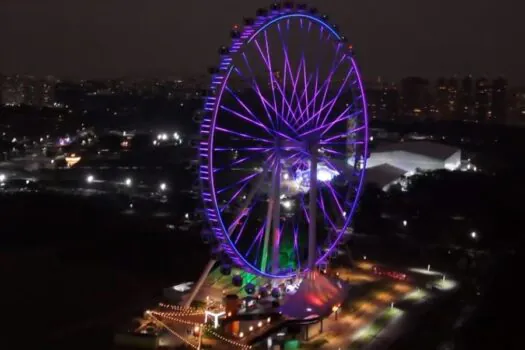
(74, 269)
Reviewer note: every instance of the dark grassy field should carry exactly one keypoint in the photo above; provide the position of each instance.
(74, 269)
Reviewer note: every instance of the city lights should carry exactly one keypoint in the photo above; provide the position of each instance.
(128, 182)
(163, 186)
(90, 179)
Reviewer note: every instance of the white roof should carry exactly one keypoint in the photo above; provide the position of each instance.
(425, 148)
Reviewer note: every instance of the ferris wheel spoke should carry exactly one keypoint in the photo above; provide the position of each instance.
(295, 81)
(306, 85)
(288, 71)
(240, 182)
(325, 128)
(326, 216)
(267, 61)
(316, 89)
(262, 55)
(270, 70)
(257, 240)
(243, 226)
(251, 195)
(343, 117)
(316, 115)
(304, 207)
(240, 161)
(319, 58)
(234, 197)
(333, 193)
(324, 86)
(329, 140)
(296, 245)
(301, 99)
(316, 86)
(330, 75)
(243, 135)
(231, 149)
(285, 64)
(349, 132)
(331, 151)
(252, 119)
(338, 95)
(290, 110)
(255, 87)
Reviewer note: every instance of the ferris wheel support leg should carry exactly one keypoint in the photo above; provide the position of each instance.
(312, 229)
(276, 214)
(197, 287)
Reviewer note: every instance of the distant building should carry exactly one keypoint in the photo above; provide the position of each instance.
(465, 105)
(416, 97)
(13, 91)
(383, 100)
(390, 163)
(517, 106)
(27, 90)
(499, 100)
(482, 105)
(446, 98)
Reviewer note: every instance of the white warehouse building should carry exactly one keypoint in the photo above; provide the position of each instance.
(388, 164)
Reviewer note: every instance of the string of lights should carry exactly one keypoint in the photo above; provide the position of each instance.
(180, 308)
(183, 314)
(203, 327)
(242, 346)
(173, 332)
(170, 317)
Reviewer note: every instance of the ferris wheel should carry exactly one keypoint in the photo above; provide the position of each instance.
(283, 143)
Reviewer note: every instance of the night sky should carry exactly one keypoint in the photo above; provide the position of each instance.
(142, 38)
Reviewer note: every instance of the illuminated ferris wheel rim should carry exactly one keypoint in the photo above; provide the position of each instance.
(206, 149)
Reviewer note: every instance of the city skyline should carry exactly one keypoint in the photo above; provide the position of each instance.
(77, 39)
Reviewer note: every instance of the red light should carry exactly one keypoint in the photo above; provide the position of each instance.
(350, 47)
(236, 26)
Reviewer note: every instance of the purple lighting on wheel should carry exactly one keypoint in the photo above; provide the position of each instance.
(259, 139)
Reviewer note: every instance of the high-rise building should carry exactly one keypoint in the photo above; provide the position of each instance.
(446, 98)
(516, 106)
(499, 100)
(27, 90)
(383, 100)
(482, 105)
(13, 90)
(389, 104)
(416, 97)
(465, 105)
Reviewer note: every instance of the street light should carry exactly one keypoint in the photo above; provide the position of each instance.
(287, 204)
(163, 186)
(128, 182)
(90, 179)
(405, 223)
(2, 177)
(335, 310)
(473, 235)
